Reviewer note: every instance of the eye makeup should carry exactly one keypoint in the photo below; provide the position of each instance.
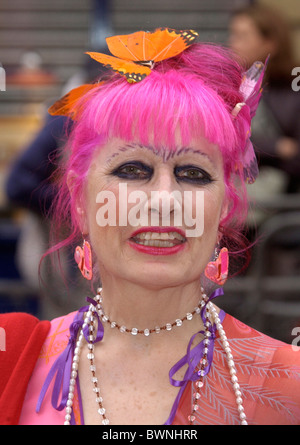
(134, 170)
(136, 162)
(192, 174)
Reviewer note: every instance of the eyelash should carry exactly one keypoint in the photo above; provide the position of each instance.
(204, 179)
(146, 172)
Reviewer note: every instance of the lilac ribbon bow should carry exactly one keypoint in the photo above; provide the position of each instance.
(61, 368)
(192, 359)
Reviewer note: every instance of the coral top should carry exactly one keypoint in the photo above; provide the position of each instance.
(268, 372)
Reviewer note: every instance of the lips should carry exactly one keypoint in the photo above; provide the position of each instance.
(158, 240)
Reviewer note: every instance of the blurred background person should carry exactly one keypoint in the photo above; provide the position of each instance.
(257, 32)
(254, 33)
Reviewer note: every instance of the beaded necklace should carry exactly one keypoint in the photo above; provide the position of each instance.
(146, 332)
(90, 321)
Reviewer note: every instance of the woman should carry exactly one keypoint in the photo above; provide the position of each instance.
(151, 347)
(257, 31)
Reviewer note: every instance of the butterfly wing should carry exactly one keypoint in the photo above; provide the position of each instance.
(217, 271)
(83, 258)
(87, 270)
(129, 46)
(130, 70)
(155, 46)
(251, 89)
(78, 256)
(224, 264)
(170, 43)
(68, 104)
(251, 86)
(250, 166)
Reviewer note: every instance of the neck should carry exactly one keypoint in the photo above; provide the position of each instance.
(142, 307)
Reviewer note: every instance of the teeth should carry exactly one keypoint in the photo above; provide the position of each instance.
(156, 243)
(159, 239)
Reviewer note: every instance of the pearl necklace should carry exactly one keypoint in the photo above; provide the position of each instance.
(210, 312)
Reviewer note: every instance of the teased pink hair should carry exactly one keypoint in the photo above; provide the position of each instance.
(195, 91)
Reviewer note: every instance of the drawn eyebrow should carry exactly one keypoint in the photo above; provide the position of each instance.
(165, 154)
(186, 150)
(130, 146)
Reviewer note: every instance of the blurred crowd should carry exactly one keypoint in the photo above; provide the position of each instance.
(255, 33)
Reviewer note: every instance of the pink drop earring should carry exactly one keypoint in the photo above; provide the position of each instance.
(217, 271)
(83, 258)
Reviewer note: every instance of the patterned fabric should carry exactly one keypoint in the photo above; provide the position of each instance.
(269, 376)
(54, 345)
(268, 372)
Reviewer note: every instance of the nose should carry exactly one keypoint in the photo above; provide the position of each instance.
(164, 199)
(164, 180)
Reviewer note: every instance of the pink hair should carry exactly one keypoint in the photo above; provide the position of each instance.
(195, 91)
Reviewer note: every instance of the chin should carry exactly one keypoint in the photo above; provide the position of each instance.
(158, 275)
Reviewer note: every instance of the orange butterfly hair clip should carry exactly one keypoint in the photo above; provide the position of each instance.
(68, 105)
(134, 55)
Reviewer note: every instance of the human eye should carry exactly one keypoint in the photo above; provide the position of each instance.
(133, 170)
(192, 174)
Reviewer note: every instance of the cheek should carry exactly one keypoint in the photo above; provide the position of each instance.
(112, 207)
(207, 211)
(212, 214)
(107, 214)
(97, 213)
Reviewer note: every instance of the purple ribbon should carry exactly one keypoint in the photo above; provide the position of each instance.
(62, 367)
(193, 356)
(192, 359)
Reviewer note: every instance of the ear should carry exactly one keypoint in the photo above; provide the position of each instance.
(78, 203)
